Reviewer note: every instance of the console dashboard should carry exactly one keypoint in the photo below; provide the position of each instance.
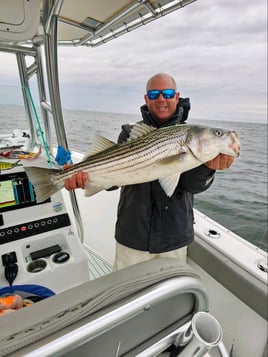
(37, 241)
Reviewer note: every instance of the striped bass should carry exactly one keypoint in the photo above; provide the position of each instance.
(149, 154)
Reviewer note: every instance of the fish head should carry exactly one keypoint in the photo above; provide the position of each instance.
(206, 143)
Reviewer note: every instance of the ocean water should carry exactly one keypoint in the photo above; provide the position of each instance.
(238, 196)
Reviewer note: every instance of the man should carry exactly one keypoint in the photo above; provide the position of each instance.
(149, 223)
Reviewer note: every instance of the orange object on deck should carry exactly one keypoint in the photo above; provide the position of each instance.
(11, 302)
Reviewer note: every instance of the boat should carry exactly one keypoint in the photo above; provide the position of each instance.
(215, 305)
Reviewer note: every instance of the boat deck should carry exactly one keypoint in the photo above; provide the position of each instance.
(98, 266)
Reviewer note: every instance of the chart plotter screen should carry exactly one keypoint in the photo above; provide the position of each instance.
(16, 191)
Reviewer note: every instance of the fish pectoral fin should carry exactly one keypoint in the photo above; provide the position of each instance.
(175, 159)
(100, 143)
(92, 189)
(169, 183)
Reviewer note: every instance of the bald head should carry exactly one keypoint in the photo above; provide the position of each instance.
(161, 76)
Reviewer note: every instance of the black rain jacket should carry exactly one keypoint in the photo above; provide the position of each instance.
(149, 220)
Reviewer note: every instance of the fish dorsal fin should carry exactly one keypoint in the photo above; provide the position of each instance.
(100, 143)
(169, 183)
(140, 130)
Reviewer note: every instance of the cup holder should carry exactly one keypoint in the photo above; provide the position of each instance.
(36, 266)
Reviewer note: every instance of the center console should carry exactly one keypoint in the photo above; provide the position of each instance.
(37, 241)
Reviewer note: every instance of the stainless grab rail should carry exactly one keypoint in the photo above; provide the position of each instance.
(119, 314)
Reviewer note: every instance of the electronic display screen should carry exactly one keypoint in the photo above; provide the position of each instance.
(16, 191)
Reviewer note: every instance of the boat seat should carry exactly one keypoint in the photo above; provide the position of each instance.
(122, 313)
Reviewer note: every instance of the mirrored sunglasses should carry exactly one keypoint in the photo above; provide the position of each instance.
(166, 93)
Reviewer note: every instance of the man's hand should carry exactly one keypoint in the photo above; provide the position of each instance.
(220, 162)
(78, 180)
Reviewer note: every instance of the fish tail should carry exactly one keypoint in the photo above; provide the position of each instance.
(44, 182)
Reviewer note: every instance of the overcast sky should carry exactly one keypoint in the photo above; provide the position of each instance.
(215, 49)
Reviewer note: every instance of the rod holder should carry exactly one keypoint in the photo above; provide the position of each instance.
(207, 334)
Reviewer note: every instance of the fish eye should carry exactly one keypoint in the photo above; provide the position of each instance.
(218, 132)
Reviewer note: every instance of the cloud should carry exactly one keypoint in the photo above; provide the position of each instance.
(216, 50)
